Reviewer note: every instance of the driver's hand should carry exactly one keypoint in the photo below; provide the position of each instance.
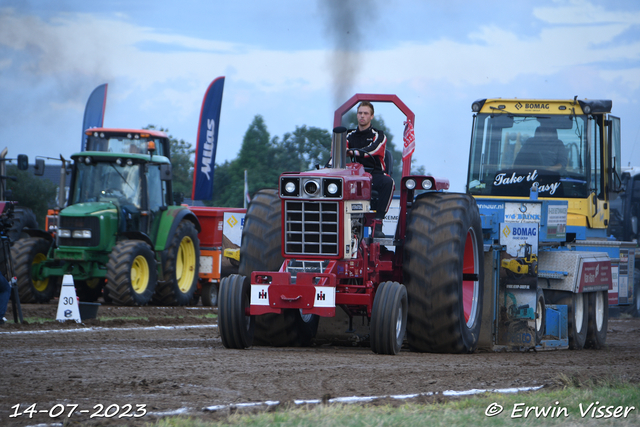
(353, 153)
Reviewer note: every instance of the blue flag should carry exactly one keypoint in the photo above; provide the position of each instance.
(94, 112)
(207, 142)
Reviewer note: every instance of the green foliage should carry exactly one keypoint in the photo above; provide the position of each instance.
(32, 192)
(181, 164)
(265, 159)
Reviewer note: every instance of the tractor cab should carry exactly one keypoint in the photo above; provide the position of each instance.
(128, 141)
(564, 149)
(131, 185)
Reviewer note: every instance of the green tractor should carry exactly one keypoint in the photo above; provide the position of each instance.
(120, 236)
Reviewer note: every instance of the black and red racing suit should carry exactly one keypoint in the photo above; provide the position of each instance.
(374, 142)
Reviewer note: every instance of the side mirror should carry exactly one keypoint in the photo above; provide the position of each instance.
(39, 168)
(23, 162)
(165, 172)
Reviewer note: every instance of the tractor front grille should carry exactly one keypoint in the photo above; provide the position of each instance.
(311, 228)
(80, 223)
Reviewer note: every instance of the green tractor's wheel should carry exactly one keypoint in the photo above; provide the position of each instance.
(89, 290)
(26, 254)
(180, 268)
(131, 273)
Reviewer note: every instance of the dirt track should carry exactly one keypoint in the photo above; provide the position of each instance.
(185, 367)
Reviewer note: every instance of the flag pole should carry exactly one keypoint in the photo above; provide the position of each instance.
(246, 189)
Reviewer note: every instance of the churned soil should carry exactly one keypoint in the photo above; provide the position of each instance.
(171, 359)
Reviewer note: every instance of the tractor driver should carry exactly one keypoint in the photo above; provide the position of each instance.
(366, 139)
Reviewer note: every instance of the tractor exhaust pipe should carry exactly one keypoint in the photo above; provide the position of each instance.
(339, 148)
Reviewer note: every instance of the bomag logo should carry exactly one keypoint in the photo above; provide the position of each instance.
(536, 106)
(232, 221)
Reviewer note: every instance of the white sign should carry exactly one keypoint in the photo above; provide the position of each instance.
(325, 296)
(68, 308)
(516, 237)
(259, 294)
(523, 212)
(232, 228)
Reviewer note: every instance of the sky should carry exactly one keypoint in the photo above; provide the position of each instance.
(295, 62)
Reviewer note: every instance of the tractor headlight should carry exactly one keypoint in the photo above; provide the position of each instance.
(64, 233)
(81, 234)
(332, 187)
(290, 187)
(311, 187)
(410, 184)
(427, 184)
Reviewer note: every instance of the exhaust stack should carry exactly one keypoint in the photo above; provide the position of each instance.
(339, 148)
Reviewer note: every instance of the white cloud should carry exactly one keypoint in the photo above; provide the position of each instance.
(584, 12)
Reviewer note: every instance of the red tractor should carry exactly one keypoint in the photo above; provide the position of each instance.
(307, 249)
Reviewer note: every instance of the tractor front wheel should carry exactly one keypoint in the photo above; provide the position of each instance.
(388, 318)
(26, 254)
(444, 273)
(235, 325)
(131, 273)
(180, 268)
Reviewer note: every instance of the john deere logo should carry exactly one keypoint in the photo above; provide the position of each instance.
(506, 231)
(232, 221)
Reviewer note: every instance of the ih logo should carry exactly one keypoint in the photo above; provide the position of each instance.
(262, 294)
(321, 296)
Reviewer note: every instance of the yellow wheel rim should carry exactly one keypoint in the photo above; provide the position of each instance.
(139, 274)
(93, 283)
(186, 264)
(40, 285)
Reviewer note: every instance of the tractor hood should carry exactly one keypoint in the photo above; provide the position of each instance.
(92, 208)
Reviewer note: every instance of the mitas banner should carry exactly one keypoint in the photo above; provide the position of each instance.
(409, 140)
(207, 141)
(94, 112)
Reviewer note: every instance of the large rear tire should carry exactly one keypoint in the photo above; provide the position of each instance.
(443, 273)
(389, 318)
(261, 250)
(25, 254)
(598, 320)
(235, 325)
(180, 267)
(131, 273)
(22, 218)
